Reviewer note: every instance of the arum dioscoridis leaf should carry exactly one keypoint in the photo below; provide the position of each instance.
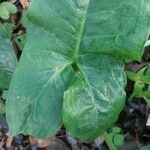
(96, 36)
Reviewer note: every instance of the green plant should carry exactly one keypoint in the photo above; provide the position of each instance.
(7, 8)
(145, 147)
(116, 136)
(8, 60)
(20, 41)
(72, 67)
(2, 107)
(141, 78)
(109, 141)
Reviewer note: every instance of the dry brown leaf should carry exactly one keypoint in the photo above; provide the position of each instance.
(9, 140)
(52, 144)
(41, 142)
(46, 142)
(33, 140)
(24, 3)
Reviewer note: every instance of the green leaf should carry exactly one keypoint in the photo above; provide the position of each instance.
(116, 130)
(138, 89)
(6, 30)
(4, 94)
(11, 8)
(111, 136)
(8, 60)
(118, 139)
(138, 77)
(4, 14)
(2, 107)
(145, 147)
(95, 98)
(148, 71)
(21, 40)
(140, 80)
(7, 8)
(75, 33)
(34, 100)
(113, 27)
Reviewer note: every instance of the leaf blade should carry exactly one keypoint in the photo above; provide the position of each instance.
(8, 60)
(34, 100)
(85, 22)
(92, 103)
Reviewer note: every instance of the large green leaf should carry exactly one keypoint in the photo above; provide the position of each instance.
(8, 59)
(116, 27)
(35, 96)
(79, 32)
(95, 97)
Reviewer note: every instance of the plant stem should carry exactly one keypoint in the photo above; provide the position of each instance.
(147, 100)
(109, 142)
(130, 98)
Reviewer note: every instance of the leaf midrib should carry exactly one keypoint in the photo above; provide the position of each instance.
(41, 92)
(50, 79)
(79, 37)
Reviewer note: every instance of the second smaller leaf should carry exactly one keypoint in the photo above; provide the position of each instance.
(7, 8)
